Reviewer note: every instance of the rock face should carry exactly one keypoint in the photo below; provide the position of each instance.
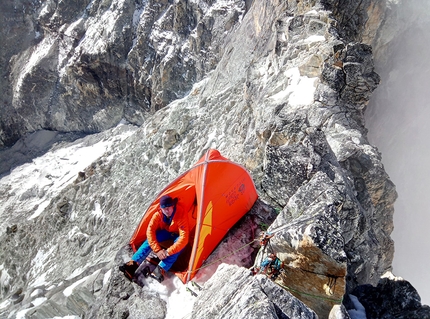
(278, 86)
(84, 66)
(392, 298)
(241, 295)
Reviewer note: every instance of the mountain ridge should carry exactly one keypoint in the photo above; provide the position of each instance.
(280, 87)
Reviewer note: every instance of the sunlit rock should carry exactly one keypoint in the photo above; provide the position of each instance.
(235, 293)
(279, 87)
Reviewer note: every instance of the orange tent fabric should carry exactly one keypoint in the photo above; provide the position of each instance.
(216, 192)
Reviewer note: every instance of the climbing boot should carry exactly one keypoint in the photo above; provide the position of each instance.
(129, 269)
(146, 271)
(158, 274)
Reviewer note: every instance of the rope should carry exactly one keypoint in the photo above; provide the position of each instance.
(331, 283)
(280, 285)
(270, 246)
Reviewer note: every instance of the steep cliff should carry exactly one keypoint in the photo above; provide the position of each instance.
(85, 65)
(278, 86)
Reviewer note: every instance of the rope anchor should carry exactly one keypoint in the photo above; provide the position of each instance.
(271, 266)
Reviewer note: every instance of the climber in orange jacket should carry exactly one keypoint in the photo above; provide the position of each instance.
(169, 223)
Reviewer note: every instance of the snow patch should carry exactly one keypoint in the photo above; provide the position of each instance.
(5, 304)
(36, 292)
(69, 290)
(312, 39)
(76, 231)
(21, 314)
(39, 281)
(97, 212)
(300, 90)
(211, 142)
(138, 14)
(4, 277)
(106, 277)
(75, 273)
(35, 184)
(311, 12)
(179, 301)
(37, 265)
(391, 276)
(38, 301)
(40, 51)
(66, 46)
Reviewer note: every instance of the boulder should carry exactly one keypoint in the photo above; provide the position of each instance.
(392, 297)
(233, 292)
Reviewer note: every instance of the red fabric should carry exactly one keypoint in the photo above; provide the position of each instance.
(214, 194)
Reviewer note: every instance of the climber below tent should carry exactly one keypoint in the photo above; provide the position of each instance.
(271, 266)
(169, 224)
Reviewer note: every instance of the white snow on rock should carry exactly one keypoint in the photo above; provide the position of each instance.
(69, 290)
(300, 90)
(29, 188)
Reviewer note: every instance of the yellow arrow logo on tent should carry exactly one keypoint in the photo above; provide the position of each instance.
(207, 222)
(205, 231)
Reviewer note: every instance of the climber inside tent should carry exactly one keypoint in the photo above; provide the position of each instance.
(214, 194)
(167, 235)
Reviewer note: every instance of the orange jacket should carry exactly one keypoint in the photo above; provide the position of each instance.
(179, 225)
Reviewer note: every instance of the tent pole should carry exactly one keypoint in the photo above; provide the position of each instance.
(199, 220)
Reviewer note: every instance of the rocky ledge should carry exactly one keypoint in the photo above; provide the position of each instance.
(278, 86)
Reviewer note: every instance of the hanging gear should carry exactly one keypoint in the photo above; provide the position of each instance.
(264, 238)
(271, 266)
(195, 287)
